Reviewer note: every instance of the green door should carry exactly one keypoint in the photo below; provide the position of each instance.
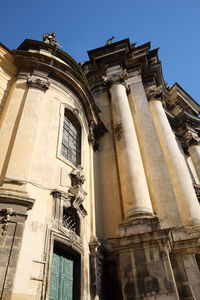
(61, 277)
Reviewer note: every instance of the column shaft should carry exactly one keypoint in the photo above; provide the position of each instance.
(180, 177)
(133, 182)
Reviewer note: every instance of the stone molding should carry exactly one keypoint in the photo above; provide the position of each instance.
(38, 84)
(6, 197)
(138, 226)
(134, 79)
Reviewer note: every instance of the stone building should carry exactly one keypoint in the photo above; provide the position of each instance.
(100, 176)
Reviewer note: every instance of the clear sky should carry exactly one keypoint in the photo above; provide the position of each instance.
(82, 25)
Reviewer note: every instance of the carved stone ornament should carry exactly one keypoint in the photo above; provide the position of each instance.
(190, 138)
(155, 93)
(38, 83)
(77, 176)
(6, 214)
(109, 41)
(78, 195)
(49, 38)
(91, 136)
(118, 131)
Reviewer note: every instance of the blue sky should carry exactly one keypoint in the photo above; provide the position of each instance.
(171, 25)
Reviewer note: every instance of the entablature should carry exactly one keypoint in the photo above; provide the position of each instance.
(129, 57)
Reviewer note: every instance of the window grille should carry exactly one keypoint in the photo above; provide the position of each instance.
(70, 220)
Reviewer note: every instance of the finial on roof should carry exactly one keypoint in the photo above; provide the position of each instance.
(109, 41)
(49, 38)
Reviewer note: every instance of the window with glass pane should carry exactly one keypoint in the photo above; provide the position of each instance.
(71, 139)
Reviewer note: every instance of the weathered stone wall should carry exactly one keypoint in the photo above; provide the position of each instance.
(11, 227)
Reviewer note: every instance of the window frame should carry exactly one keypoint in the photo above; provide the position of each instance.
(64, 111)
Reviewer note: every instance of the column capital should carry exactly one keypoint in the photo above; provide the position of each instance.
(155, 94)
(116, 75)
(38, 83)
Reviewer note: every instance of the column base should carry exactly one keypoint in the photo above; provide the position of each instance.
(140, 225)
(132, 215)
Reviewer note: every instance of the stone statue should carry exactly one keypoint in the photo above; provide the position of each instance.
(49, 38)
(78, 176)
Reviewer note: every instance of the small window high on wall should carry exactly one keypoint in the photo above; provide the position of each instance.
(71, 139)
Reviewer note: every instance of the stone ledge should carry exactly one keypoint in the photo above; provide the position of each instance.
(140, 225)
(6, 197)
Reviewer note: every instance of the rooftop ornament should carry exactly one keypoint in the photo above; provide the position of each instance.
(109, 41)
(49, 38)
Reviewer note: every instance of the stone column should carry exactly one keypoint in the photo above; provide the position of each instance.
(158, 179)
(179, 174)
(136, 199)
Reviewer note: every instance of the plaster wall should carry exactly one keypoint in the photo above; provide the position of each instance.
(7, 71)
(39, 168)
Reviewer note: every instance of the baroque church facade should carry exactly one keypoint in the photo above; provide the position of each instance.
(100, 176)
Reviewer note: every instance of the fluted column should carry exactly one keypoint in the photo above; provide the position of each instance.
(158, 179)
(180, 177)
(135, 193)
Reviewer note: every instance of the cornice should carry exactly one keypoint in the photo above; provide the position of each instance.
(185, 118)
(7, 197)
(179, 95)
(130, 57)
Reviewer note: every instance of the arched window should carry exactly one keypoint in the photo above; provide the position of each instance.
(71, 139)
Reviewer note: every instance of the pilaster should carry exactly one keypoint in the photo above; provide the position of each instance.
(20, 151)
